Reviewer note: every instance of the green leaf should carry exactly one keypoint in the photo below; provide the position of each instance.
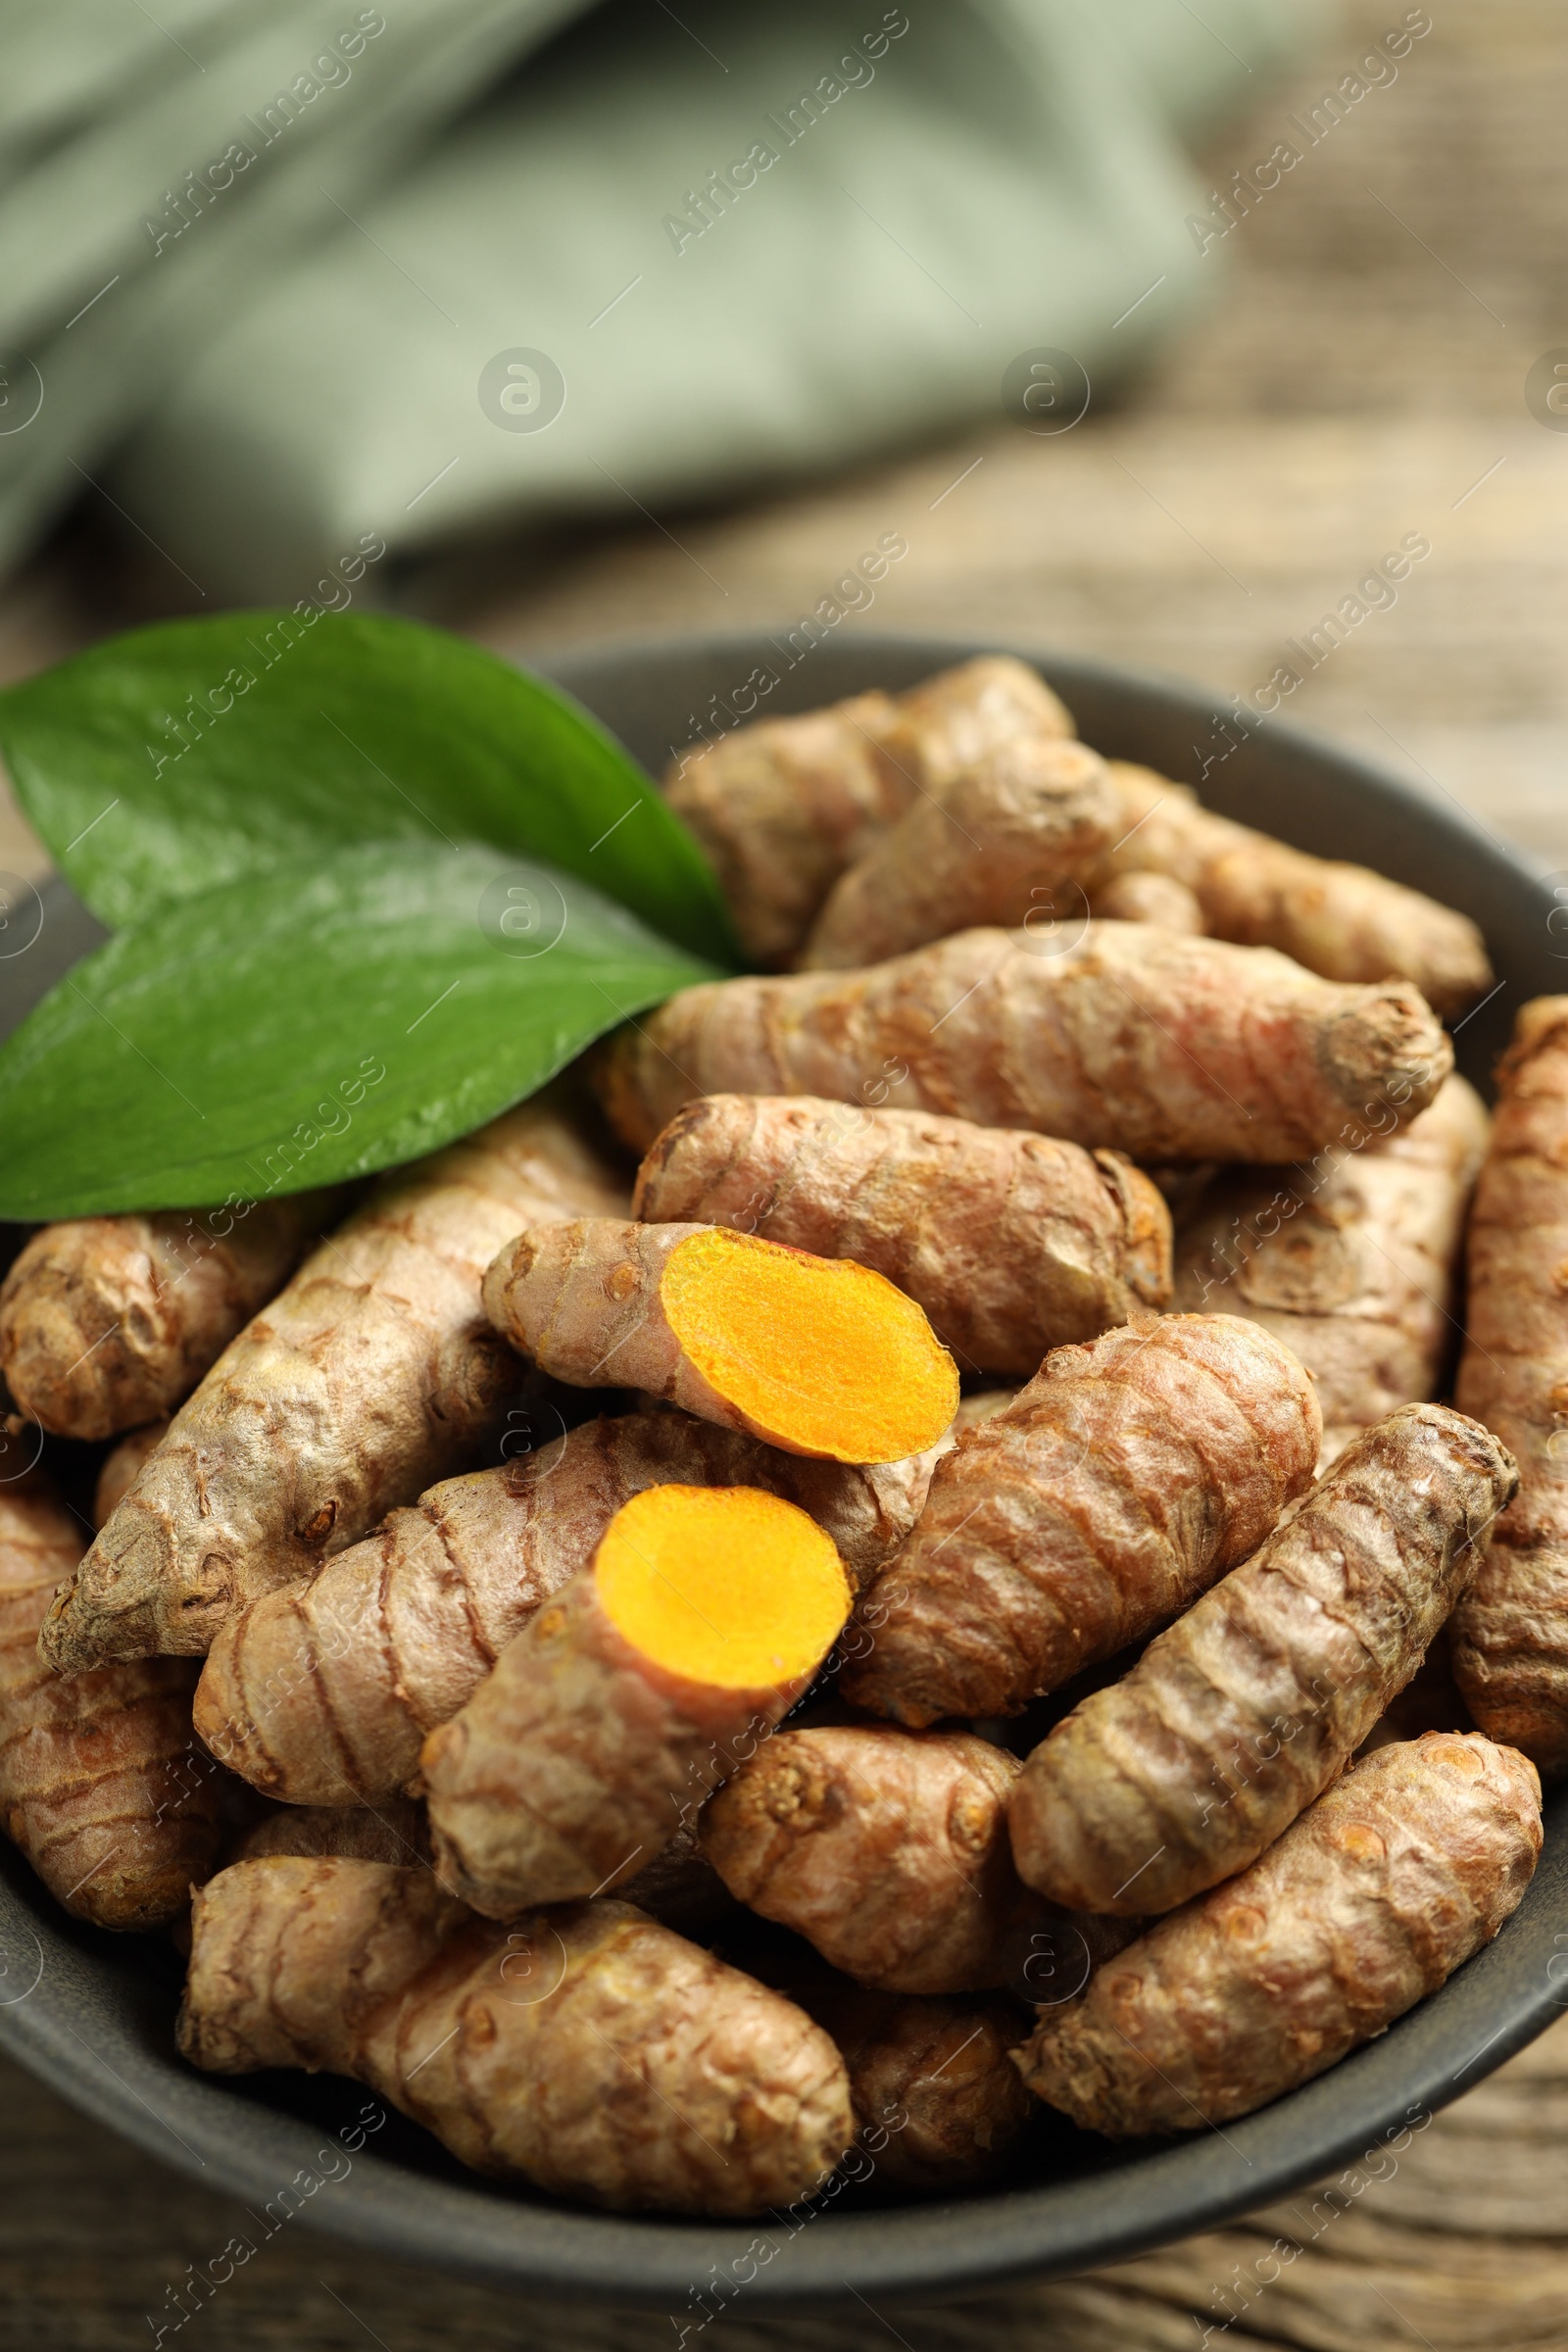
(318, 1021)
(189, 754)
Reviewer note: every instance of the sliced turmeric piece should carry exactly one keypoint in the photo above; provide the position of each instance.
(1234, 1719)
(887, 1849)
(1114, 1488)
(818, 1357)
(1510, 1631)
(372, 1374)
(108, 1322)
(1127, 1037)
(1366, 1904)
(587, 2049)
(1343, 921)
(1007, 838)
(102, 1786)
(321, 1693)
(1011, 1242)
(621, 1705)
(1352, 1261)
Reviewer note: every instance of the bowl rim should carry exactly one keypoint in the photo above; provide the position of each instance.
(1139, 2200)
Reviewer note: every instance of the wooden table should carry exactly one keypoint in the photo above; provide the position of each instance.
(1361, 377)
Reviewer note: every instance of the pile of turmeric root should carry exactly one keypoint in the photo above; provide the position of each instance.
(879, 1565)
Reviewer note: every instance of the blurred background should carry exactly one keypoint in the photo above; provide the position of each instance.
(1148, 328)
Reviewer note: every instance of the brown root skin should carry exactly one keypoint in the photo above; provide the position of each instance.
(1365, 1905)
(323, 1694)
(783, 807)
(1129, 1038)
(108, 1322)
(1148, 898)
(122, 1467)
(1011, 837)
(371, 1375)
(1340, 920)
(580, 1756)
(1510, 1631)
(395, 1832)
(100, 1784)
(1353, 1262)
(1234, 1719)
(1119, 1483)
(954, 721)
(886, 1850)
(587, 2049)
(818, 1357)
(1012, 1243)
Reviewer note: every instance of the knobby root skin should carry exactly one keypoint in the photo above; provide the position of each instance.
(1008, 841)
(1011, 1242)
(1149, 899)
(1366, 1904)
(122, 1467)
(1343, 921)
(396, 1831)
(581, 1755)
(1353, 1262)
(110, 1322)
(939, 2101)
(586, 2049)
(323, 1694)
(1131, 1037)
(371, 1375)
(783, 807)
(1232, 1721)
(1120, 1483)
(101, 1786)
(952, 721)
(886, 1850)
(818, 1357)
(1511, 1632)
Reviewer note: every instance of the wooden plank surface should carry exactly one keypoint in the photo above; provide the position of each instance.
(1359, 376)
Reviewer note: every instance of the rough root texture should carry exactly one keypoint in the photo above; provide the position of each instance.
(122, 1467)
(1353, 1261)
(1115, 1488)
(1112, 1033)
(1366, 1904)
(396, 1831)
(1511, 1634)
(1148, 898)
(1342, 920)
(587, 2050)
(372, 1374)
(101, 1784)
(107, 1322)
(1007, 841)
(580, 1756)
(1234, 1720)
(1012, 1243)
(323, 1694)
(816, 1355)
(886, 1850)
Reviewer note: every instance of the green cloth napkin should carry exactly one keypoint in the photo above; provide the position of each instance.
(292, 281)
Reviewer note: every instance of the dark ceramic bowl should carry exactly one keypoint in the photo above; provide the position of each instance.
(93, 2015)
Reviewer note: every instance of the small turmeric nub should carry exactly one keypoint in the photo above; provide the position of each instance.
(818, 1357)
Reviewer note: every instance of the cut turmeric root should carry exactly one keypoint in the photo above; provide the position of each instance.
(815, 1355)
(1114, 1488)
(1340, 920)
(108, 1322)
(1012, 1243)
(610, 1718)
(1510, 1631)
(322, 1692)
(1232, 1721)
(1125, 1036)
(1366, 1904)
(587, 2050)
(101, 1784)
(372, 1374)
